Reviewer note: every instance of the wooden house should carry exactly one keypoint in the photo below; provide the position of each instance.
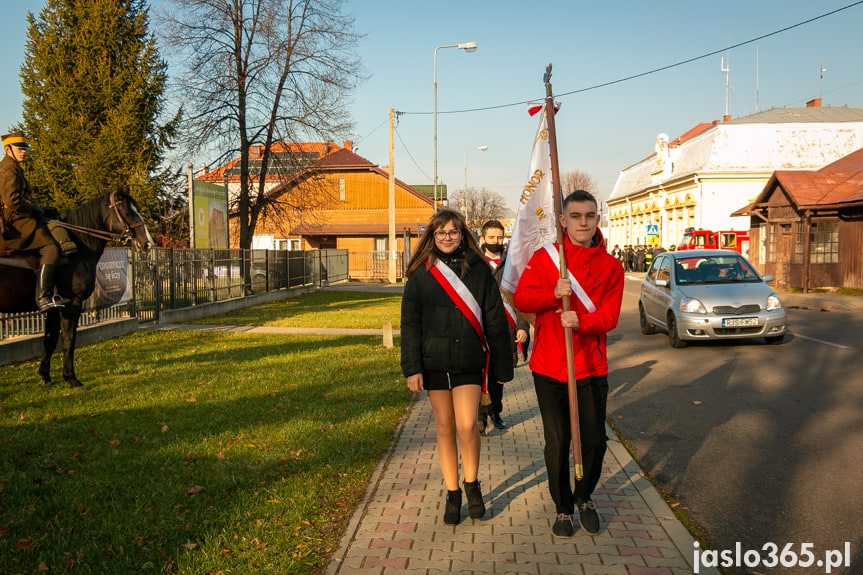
(326, 196)
(806, 227)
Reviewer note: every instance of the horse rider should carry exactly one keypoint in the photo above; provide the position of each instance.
(22, 226)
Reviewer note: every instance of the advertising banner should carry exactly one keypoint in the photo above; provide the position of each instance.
(211, 215)
(112, 280)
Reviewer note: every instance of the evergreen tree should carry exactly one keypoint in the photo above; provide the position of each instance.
(93, 85)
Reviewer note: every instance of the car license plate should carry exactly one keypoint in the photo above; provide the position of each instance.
(739, 321)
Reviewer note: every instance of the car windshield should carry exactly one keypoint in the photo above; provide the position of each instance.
(713, 270)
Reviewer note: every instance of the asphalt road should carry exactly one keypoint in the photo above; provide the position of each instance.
(761, 443)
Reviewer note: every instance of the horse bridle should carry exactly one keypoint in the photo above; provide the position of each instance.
(128, 230)
(122, 237)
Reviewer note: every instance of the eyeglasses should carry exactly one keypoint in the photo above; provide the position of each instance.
(440, 234)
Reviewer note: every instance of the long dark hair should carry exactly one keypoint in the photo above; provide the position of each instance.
(425, 249)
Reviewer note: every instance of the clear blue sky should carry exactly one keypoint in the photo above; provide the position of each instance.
(600, 130)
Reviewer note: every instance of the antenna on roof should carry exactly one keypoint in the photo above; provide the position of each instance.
(821, 79)
(726, 69)
(756, 79)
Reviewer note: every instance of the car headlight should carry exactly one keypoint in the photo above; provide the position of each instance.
(692, 305)
(773, 302)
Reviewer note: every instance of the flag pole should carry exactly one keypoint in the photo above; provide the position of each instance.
(578, 467)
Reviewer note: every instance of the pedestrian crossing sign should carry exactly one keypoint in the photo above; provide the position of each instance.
(652, 230)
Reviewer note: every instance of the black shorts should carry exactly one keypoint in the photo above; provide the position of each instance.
(439, 380)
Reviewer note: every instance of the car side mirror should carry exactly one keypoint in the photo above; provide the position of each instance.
(661, 282)
(767, 278)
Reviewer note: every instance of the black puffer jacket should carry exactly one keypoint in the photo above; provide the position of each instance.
(435, 334)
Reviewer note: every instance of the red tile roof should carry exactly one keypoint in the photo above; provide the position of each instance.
(833, 185)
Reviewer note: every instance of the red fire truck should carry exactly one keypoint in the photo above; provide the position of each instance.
(708, 240)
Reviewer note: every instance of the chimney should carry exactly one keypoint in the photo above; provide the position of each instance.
(204, 169)
(814, 103)
(726, 118)
(255, 152)
(348, 145)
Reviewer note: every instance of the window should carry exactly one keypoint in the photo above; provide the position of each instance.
(292, 245)
(799, 243)
(824, 243)
(381, 248)
(342, 189)
(664, 272)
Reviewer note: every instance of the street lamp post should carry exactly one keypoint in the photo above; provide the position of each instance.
(464, 191)
(467, 47)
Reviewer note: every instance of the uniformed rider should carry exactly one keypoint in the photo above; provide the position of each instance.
(23, 227)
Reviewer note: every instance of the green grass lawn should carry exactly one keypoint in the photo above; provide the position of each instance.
(320, 309)
(195, 452)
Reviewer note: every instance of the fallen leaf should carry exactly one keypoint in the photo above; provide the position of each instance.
(114, 442)
(696, 403)
(220, 456)
(194, 490)
(42, 567)
(192, 398)
(165, 429)
(189, 546)
(25, 544)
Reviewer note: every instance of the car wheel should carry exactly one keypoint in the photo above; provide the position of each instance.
(673, 336)
(774, 339)
(647, 328)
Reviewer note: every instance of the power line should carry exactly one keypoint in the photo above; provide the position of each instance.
(410, 155)
(655, 70)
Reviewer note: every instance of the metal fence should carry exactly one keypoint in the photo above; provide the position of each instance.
(375, 265)
(171, 278)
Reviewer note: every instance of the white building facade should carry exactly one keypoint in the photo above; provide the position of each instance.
(698, 180)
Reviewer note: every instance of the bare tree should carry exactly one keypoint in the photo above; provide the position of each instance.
(578, 180)
(259, 72)
(478, 206)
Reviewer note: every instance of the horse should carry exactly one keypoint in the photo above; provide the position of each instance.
(114, 216)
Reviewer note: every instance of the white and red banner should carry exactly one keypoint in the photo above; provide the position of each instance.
(534, 224)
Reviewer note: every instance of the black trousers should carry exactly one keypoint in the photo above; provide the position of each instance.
(495, 393)
(553, 399)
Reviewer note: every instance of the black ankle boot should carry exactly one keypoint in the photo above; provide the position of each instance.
(452, 510)
(475, 506)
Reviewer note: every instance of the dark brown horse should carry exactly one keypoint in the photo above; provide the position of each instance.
(111, 216)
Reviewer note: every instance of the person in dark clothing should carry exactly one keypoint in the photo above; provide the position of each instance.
(491, 243)
(23, 228)
(628, 258)
(453, 325)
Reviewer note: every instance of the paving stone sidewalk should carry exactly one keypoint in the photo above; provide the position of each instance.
(399, 526)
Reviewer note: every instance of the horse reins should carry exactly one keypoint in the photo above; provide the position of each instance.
(108, 236)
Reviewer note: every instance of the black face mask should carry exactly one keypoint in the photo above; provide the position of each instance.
(493, 248)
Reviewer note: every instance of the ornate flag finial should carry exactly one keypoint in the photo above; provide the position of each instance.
(546, 78)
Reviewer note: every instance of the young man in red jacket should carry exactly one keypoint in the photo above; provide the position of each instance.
(595, 287)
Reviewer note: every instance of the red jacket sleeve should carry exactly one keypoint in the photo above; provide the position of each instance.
(607, 313)
(535, 290)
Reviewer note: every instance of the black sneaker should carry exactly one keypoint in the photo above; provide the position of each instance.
(588, 517)
(562, 526)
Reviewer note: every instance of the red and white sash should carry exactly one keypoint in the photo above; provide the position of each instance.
(576, 287)
(465, 302)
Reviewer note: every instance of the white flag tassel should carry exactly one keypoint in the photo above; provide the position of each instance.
(534, 224)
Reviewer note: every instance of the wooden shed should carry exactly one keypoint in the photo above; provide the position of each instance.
(806, 226)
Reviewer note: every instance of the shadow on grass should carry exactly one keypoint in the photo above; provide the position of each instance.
(194, 454)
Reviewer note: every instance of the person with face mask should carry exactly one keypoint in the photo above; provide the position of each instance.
(491, 243)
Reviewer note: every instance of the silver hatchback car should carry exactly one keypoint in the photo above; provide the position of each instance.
(709, 294)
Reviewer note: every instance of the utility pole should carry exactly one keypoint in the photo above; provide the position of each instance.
(391, 242)
(191, 207)
(726, 69)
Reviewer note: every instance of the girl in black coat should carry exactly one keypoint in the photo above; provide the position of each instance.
(443, 354)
